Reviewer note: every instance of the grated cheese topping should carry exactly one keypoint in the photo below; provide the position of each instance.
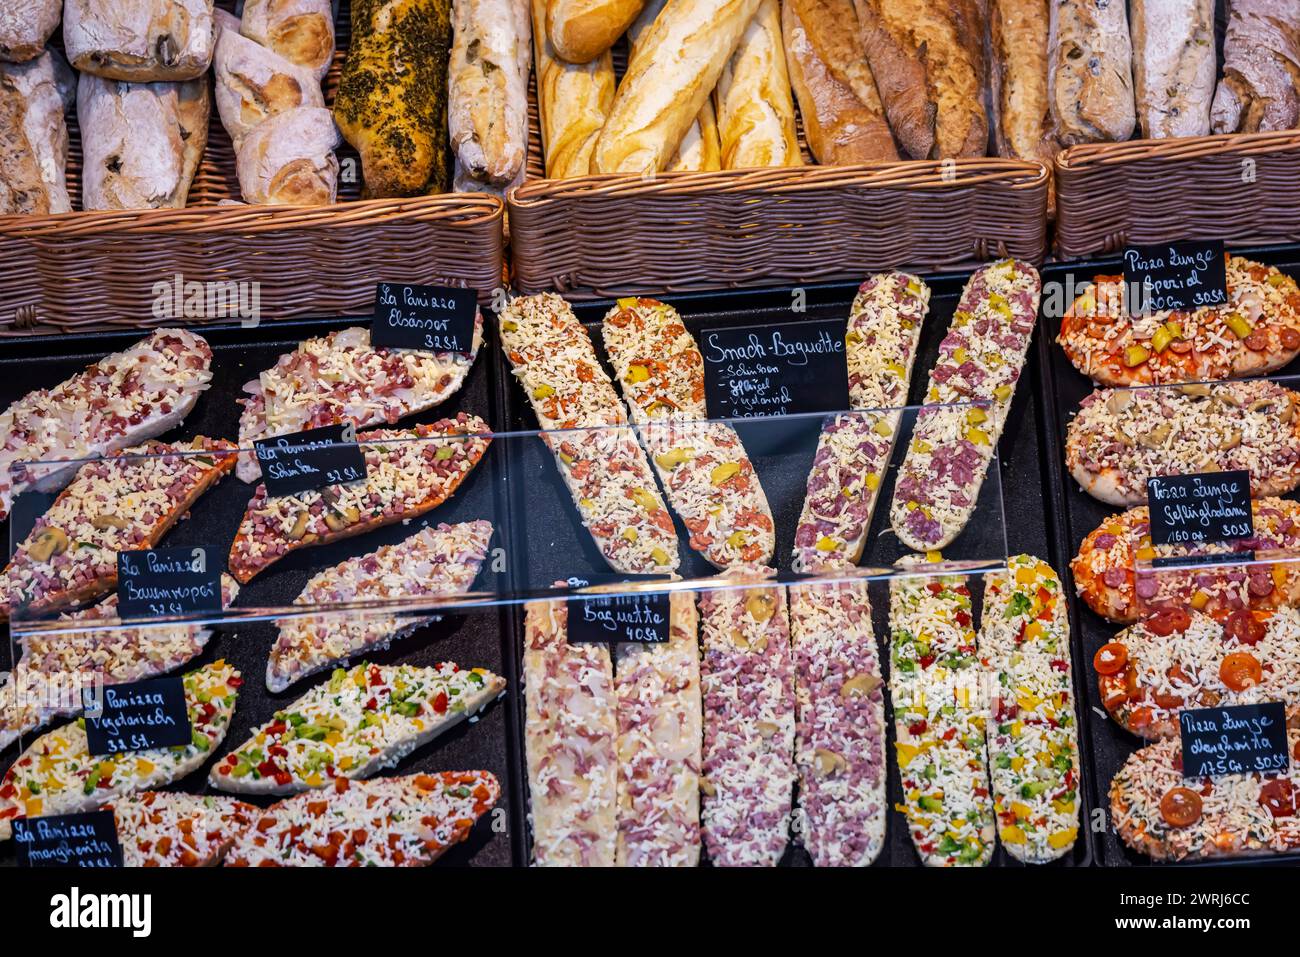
(166, 829)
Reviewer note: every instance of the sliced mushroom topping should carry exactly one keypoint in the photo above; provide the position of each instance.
(767, 729)
(760, 605)
(1156, 437)
(108, 520)
(828, 762)
(1119, 400)
(50, 542)
(299, 527)
(337, 520)
(859, 686)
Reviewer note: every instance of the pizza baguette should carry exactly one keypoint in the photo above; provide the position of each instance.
(979, 364)
(356, 724)
(570, 734)
(1032, 733)
(1175, 660)
(1165, 816)
(840, 726)
(125, 501)
(435, 561)
(122, 400)
(388, 822)
(409, 472)
(709, 480)
(602, 464)
(341, 377)
(659, 733)
(1255, 332)
(1108, 578)
(52, 669)
(58, 775)
(747, 676)
(854, 450)
(940, 717)
(1122, 437)
(169, 829)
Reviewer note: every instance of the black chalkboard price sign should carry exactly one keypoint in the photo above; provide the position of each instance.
(68, 840)
(1206, 507)
(427, 318)
(157, 582)
(780, 369)
(1241, 739)
(136, 716)
(312, 459)
(640, 618)
(1175, 276)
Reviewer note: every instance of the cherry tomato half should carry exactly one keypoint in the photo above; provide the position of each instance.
(1167, 621)
(1180, 807)
(1244, 627)
(1110, 659)
(1240, 670)
(1279, 797)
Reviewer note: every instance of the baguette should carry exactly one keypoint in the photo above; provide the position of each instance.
(34, 97)
(433, 562)
(1031, 732)
(1090, 73)
(301, 31)
(126, 501)
(142, 41)
(117, 402)
(355, 725)
(940, 714)
(674, 69)
(288, 160)
(752, 99)
(1260, 87)
(659, 732)
(420, 470)
(581, 30)
(1108, 579)
(488, 90)
(1177, 660)
(853, 451)
(166, 829)
(699, 149)
(747, 678)
(843, 118)
(1235, 815)
(570, 733)
(254, 82)
(391, 822)
(840, 742)
(929, 63)
(1022, 114)
(26, 26)
(604, 468)
(1173, 66)
(1121, 438)
(572, 102)
(710, 481)
(58, 775)
(980, 360)
(142, 142)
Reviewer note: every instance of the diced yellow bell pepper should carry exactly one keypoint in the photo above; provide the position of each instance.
(1135, 355)
(627, 302)
(1003, 392)
(977, 437)
(723, 472)
(872, 481)
(934, 556)
(976, 416)
(896, 368)
(1011, 834)
(637, 373)
(882, 428)
(1021, 811)
(1063, 838)
(737, 539)
(1160, 341)
(658, 556)
(646, 499)
(826, 544)
(543, 392)
(629, 535)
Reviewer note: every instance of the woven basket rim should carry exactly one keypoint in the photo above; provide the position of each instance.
(1086, 155)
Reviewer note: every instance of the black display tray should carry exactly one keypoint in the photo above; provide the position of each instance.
(1061, 388)
(477, 639)
(1023, 472)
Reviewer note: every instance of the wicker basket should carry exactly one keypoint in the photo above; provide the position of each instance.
(1243, 188)
(97, 270)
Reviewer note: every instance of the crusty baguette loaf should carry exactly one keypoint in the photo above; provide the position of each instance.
(25, 25)
(301, 31)
(139, 40)
(753, 101)
(699, 148)
(1089, 71)
(487, 108)
(1022, 116)
(675, 68)
(1260, 88)
(572, 101)
(1173, 66)
(141, 142)
(581, 30)
(34, 136)
(254, 82)
(288, 160)
(928, 61)
(843, 118)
